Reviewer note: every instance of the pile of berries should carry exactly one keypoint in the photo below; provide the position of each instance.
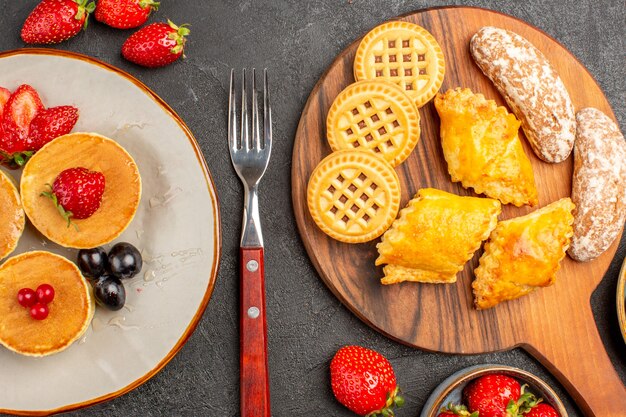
(37, 300)
(498, 395)
(105, 272)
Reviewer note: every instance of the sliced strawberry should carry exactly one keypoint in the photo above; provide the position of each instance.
(4, 97)
(20, 110)
(51, 123)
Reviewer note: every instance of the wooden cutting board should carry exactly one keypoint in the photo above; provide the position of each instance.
(554, 324)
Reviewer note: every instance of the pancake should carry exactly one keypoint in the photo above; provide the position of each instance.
(120, 200)
(71, 310)
(11, 216)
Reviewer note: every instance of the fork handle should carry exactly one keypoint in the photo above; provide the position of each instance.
(254, 371)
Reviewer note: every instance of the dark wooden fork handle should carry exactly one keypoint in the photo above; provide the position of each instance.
(255, 392)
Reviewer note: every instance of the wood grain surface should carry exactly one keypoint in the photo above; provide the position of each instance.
(554, 324)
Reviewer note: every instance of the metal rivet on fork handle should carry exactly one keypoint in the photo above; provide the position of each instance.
(252, 265)
(253, 312)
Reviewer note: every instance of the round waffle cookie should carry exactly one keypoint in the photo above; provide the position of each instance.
(374, 115)
(404, 54)
(353, 195)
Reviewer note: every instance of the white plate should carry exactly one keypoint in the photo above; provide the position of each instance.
(177, 228)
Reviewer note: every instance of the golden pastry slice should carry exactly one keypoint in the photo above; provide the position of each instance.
(97, 153)
(11, 216)
(353, 195)
(374, 115)
(70, 312)
(404, 54)
(523, 254)
(481, 146)
(434, 236)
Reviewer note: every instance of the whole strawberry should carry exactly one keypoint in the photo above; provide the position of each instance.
(124, 14)
(77, 193)
(542, 410)
(364, 381)
(493, 395)
(54, 21)
(156, 45)
(51, 123)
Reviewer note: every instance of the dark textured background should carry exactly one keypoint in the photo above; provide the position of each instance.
(297, 40)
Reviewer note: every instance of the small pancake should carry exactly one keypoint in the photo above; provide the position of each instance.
(71, 310)
(120, 200)
(12, 218)
(405, 54)
(353, 195)
(374, 115)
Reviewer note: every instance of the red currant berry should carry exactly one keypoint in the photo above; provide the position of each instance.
(26, 297)
(45, 293)
(39, 311)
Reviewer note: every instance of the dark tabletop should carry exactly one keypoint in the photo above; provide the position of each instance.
(297, 40)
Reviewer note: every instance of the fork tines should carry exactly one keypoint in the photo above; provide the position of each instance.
(245, 141)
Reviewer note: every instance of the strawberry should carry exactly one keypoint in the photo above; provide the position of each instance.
(124, 14)
(364, 381)
(156, 45)
(54, 21)
(77, 193)
(4, 97)
(542, 410)
(51, 123)
(493, 395)
(18, 112)
(452, 410)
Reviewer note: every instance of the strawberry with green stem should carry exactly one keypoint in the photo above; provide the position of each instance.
(54, 21)
(493, 395)
(156, 45)
(363, 380)
(76, 193)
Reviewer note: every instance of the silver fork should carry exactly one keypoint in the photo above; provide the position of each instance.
(250, 155)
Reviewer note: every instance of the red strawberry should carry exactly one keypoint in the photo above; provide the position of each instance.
(50, 124)
(124, 14)
(19, 110)
(542, 410)
(156, 45)
(493, 395)
(77, 193)
(4, 97)
(452, 410)
(364, 381)
(54, 21)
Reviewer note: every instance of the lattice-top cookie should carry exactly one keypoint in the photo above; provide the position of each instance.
(353, 195)
(374, 115)
(405, 54)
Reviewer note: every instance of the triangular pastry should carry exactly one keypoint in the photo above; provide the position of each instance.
(482, 148)
(523, 254)
(435, 235)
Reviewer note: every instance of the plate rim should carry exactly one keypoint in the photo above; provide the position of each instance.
(217, 228)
